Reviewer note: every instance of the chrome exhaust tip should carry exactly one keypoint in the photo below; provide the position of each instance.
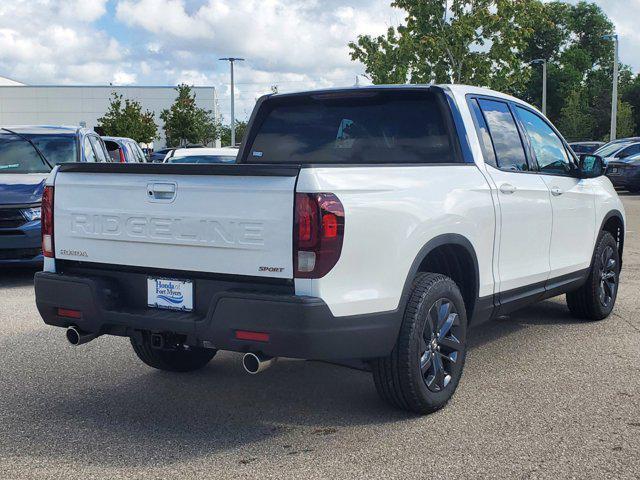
(76, 337)
(255, 363)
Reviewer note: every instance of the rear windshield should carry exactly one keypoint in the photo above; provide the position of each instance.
(356, 128)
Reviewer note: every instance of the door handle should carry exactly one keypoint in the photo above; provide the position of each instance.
(507, 188)
(161, 191)
(555, 191)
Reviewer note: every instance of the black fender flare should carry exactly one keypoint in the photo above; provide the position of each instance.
(611, 214)
(431, 245)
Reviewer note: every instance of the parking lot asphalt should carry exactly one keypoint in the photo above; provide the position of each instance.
(542, 396)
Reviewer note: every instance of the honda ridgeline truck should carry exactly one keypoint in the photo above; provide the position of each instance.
(374, 224)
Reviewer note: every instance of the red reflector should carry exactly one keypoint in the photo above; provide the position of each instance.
(65, 312)
(329, 225)
(253, 336)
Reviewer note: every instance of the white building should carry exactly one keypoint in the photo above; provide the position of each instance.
(82, 105)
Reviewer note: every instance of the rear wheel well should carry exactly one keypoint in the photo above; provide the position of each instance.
(615, 227)
(457, 263)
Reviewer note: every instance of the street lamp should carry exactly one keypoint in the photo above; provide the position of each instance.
(614, 93)
(231, 60)
(543, 61)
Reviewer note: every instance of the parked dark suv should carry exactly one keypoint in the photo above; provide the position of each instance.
(27, 155)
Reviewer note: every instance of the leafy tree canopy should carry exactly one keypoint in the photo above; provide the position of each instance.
(460, 41)
(225, 138)
(185, 122)
(491, 43)
(125, 118)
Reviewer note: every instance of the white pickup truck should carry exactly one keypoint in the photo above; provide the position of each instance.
(372, 224)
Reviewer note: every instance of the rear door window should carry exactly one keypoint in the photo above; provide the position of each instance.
(89, 154)
(353, 128)
(483, 134)
(99, 150)
(507, 143)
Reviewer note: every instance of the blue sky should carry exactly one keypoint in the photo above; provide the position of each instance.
(295, 44)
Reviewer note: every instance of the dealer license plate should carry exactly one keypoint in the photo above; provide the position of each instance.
(170, 294)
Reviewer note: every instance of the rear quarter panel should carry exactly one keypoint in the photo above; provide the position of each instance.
(391, 212)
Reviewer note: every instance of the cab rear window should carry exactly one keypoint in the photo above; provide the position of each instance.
(353, 128)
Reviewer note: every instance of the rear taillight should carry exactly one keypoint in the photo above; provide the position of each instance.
(122, 160)
(47, 222)
(318, 234)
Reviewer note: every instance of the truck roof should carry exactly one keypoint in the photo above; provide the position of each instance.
(454, 88)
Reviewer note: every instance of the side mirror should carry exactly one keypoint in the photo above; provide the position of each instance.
(591, 166)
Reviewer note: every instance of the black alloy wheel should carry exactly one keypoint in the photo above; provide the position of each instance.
(608, 270)
(440, 345)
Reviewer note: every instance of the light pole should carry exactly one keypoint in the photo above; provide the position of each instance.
(543, 61)
(231, 60)
(614, 93)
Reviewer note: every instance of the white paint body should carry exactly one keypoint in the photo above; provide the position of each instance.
(520, 238)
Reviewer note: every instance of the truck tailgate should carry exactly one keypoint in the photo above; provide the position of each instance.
(229, 219)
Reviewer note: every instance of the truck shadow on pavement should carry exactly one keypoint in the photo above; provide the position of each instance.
(98, 404)
(16, 277)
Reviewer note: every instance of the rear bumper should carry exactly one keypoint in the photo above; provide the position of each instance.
(298, 327)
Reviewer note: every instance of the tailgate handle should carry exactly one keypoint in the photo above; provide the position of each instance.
(161, 191)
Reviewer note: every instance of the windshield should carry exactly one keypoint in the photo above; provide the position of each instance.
(56, 148)
(611, 148)
(203, 159)
(18, 156)
(353, 128)
(584, 147)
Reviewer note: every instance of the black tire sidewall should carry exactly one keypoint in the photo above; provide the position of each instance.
(605, 240)
(444, 287)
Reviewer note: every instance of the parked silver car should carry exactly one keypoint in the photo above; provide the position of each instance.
(124, 150)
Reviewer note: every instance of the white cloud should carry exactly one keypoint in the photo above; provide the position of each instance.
(55, 42)
(294, 44)
(276, 35)
(124, 78)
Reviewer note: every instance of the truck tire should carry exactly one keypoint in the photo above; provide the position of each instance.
(424, 368)
(597, 297)
(180, 359)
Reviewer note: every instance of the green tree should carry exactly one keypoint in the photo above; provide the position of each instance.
(462, 41)
(625, 126)
(180, 119)
(576, 122)
(570, 38)
(225, 137)
(631, 95)
(185, 122)
(125, 118)
(208, 129)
